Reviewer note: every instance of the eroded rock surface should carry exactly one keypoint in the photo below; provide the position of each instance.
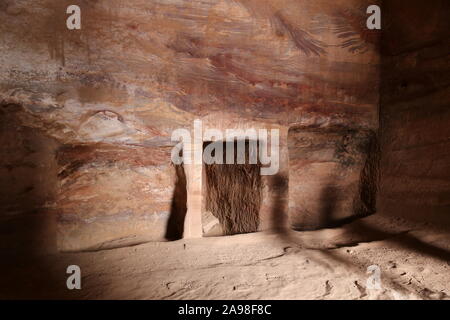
(111, 94)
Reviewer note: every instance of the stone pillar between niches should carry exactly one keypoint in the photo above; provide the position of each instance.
(193, 220)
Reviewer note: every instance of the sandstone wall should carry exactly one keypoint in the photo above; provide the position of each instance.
(28, 186)
(111, 93)
(333, 176)
(415, 111)
(112, 196)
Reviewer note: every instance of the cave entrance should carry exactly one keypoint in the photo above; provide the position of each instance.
(232, 192)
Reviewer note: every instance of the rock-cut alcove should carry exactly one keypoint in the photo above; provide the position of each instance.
(232, 192)
(338, 168)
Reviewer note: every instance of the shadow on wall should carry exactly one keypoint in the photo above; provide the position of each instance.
(28, 180)
(364, 202)
(178, 208)
(332, 169)
(279, 215)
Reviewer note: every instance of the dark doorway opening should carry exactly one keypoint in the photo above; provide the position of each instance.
(233, 191)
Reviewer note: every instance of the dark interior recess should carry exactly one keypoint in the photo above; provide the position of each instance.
(233, 192)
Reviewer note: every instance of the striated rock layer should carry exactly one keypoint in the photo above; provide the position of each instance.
(110, 95)
(415, 117)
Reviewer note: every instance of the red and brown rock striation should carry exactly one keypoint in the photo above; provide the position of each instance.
(111, 93)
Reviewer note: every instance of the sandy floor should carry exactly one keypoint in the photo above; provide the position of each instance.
(327, 264)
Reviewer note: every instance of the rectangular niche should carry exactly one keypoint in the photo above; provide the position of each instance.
(232, 193)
